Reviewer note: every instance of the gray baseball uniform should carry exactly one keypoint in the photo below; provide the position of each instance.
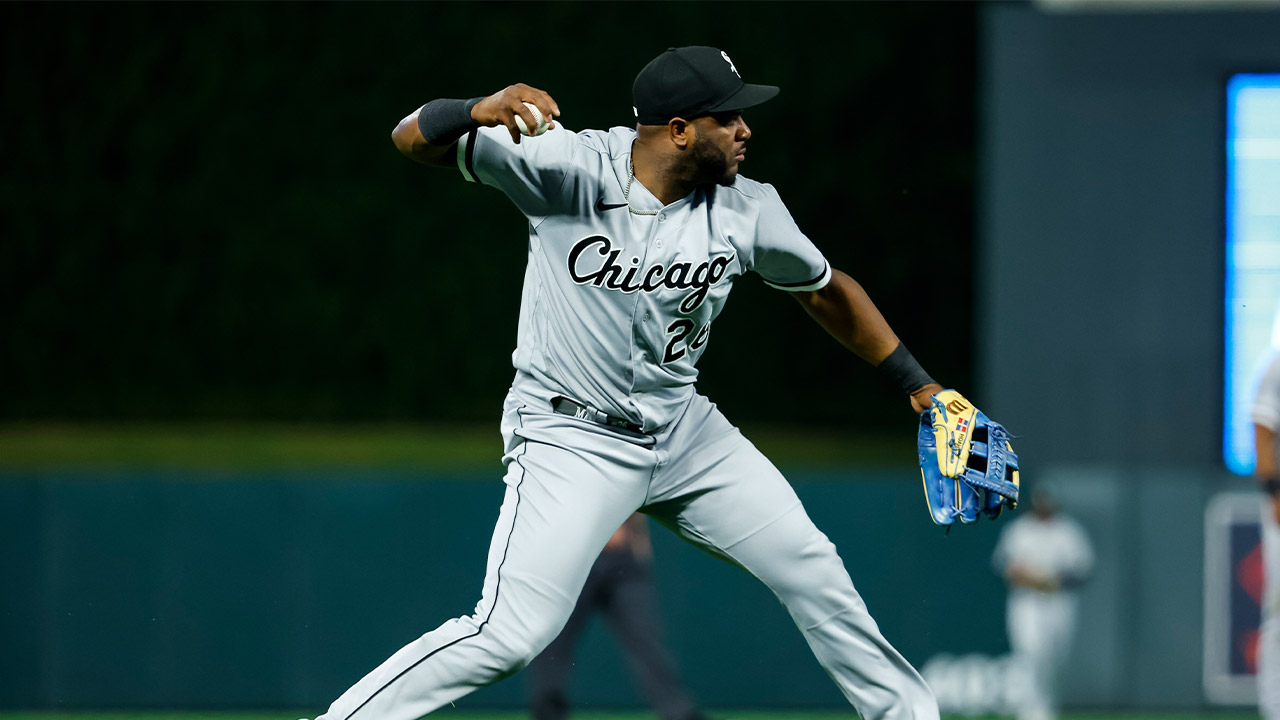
(1041, 623)
(603, 419)
(1266, 412)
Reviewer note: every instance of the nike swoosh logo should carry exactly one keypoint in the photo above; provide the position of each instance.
(601, 205)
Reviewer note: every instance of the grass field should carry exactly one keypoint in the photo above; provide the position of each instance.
(586, 715)
(278, 446)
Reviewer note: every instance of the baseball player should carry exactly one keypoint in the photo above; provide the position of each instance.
(620, 586)
(635, 237)
(1043, 557)
(1266, 433)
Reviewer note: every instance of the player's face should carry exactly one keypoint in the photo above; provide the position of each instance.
(720, 145)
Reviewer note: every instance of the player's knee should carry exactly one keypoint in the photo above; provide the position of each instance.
(505, 659)
(530, 649)
(514, 649)
(810, 568)
(908, 699)
(918, 697)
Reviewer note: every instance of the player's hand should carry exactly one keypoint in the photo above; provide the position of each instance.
(920, 399)
(1275, 507)
(1019, 576)
(502, 107)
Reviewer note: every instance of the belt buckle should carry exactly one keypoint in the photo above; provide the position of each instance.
(582, 411)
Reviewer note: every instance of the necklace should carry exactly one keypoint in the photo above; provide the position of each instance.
(626, 192)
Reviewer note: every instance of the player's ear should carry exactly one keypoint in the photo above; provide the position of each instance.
(681, 132)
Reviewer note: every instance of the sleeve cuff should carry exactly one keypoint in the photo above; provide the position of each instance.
(807, 285)
(1266, 417)
(466, 156)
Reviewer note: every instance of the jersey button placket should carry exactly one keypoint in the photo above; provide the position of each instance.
(640, 375)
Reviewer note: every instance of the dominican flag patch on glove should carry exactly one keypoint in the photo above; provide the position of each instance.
(966, 462)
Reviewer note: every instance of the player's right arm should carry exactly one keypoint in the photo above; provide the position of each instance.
(410, 142)
(429, 134)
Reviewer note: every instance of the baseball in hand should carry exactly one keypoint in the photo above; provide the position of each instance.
(537, 115)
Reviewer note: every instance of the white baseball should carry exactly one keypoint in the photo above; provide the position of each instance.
(537, 115)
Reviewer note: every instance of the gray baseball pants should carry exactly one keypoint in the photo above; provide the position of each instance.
(620, 588)
(570, 484)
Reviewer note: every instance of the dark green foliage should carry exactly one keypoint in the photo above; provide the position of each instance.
(202, 216)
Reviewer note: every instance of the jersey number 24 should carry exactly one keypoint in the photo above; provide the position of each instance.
(679, 332)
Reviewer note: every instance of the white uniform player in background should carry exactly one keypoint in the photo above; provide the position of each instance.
(635, 236)
(1266, 432)
(1043, 557)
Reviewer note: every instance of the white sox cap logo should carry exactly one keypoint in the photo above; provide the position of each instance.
(725, 55)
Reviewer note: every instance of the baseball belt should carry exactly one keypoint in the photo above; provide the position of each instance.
(573, 408)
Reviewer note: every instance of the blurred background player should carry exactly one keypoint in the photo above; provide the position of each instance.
(1043, 557)
(620, 586)
(1266, 428)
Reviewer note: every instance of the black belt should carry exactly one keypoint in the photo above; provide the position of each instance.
(573, 408)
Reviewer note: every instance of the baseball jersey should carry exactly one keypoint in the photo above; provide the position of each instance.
(1266, 404)
(1057, 547)
(617, 307)
(1266, 412)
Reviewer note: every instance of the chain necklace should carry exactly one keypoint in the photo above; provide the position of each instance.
(626, 192)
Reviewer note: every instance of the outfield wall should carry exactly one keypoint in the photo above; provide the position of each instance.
(1102, 251)
(1103, 223)
(223, 590)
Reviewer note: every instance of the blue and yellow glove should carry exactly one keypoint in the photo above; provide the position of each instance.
(968, 465)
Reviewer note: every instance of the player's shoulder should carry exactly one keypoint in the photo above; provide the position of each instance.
(1071, 525)
(1272, 366)
(603, 142)
(612, 143)
(747, 195)
(750, 190)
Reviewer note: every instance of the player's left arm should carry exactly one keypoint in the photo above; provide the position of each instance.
(843, 308)
(1267, 470)
(1265, 414)
(963, 478)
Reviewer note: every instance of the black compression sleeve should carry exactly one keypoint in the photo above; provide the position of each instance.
(444, 120)
(902, 369)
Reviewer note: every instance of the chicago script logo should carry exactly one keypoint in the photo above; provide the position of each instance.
(607, 272)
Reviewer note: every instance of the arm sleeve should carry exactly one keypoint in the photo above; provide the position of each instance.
(1266, 405)
(532, 174)
(1079, 558)
(783, 256)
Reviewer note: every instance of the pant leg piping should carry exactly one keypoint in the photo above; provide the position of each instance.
(496, 591)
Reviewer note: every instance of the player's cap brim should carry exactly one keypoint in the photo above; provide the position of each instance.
(747, 96)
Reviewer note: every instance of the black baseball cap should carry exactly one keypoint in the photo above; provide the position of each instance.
(690, 81)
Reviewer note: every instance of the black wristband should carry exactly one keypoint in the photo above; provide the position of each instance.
(444, 120)
(1270, 485)
(902, 369)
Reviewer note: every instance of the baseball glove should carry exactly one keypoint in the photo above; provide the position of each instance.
(966, 460)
